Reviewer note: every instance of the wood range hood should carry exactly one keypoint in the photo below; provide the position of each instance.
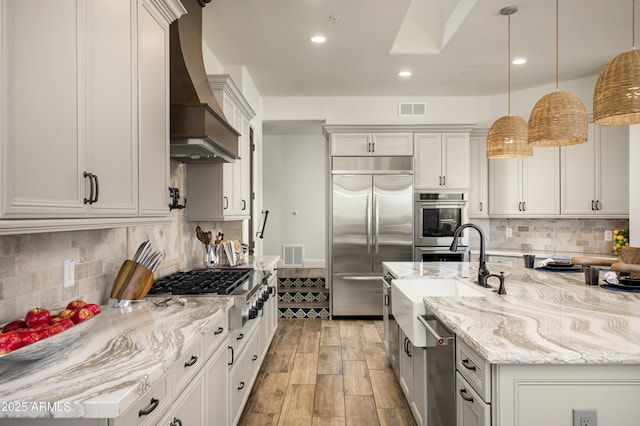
(199, 130)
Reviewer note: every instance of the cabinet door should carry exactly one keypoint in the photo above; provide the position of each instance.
(406, 366)
(153, 112)
(455, 160)
(41, 139)
(612, 160)
(577, 177)
(427, 161)
(471, 410)
(479, 180)
(392, 144)
(505, 187)
(189, 407)
(350, 144)
(112, 143)
(216, 388)
(541, 182)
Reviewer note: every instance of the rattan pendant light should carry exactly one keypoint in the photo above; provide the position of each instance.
(616, 97)
(508, 135)
(558, 118)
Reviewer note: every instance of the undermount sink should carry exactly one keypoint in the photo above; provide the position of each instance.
(407, 302)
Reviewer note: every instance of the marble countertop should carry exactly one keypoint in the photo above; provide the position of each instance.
(542, 254)
(125, 352)
(546, 317)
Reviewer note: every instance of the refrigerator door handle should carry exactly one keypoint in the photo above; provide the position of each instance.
(369, 239)
(376, 221)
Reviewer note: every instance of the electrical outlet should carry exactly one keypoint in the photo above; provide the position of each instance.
(509, 232)
(69, 272)
(608, 235)
(585, 417)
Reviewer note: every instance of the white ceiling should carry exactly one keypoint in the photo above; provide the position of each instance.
(271, 38)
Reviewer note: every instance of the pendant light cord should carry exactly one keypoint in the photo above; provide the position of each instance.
(509, 66)
(557, 45)
(633, 26)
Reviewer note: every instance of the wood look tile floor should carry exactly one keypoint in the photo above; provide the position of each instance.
(326, 372)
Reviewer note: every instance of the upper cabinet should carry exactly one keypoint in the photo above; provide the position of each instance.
(222, 191)
(72, 76)
(376, 144)
(441, 161)
(595, 174)
(479, 171)
(525, 186)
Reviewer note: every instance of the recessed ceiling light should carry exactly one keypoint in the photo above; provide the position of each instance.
(318, 39)
(404, 73)
(519, 61)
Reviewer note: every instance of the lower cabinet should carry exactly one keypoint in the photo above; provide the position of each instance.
(216, 388)
(413, 377)
(471, 410)
(189, 407)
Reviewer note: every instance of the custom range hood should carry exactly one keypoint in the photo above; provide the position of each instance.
(199, 129)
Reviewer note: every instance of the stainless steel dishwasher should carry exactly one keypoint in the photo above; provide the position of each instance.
(440, 372)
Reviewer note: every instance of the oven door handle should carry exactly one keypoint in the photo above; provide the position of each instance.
(440, 340)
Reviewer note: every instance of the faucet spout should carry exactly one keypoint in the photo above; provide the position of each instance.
(483, 272)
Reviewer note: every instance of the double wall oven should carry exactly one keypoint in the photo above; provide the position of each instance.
(436, 217)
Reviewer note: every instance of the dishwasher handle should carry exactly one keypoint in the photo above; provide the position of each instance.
(440, 340)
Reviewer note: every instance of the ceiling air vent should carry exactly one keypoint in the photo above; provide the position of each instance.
(406, 109)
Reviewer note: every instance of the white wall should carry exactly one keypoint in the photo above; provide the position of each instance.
(634, 185)
(294, 184)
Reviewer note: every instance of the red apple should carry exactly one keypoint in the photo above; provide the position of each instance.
(56, 328)
(14, 325)
(9, 342)
(81, 315)
(95, 309)
(66, 323)
(66, 313)
(76, 304)
(37, 317)
(28, 336)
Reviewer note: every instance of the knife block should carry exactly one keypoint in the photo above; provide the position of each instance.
(132, 282)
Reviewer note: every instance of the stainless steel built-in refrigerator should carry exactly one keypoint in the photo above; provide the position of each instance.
(371, 222)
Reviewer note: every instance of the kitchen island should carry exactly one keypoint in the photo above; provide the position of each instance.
(550, 345)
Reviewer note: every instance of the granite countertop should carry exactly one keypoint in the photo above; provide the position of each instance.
(124, 353)
(546, 317)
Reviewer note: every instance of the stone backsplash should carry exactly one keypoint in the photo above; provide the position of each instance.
(570, 235)
(31, 266)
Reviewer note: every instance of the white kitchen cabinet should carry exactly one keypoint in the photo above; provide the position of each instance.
(153, 110)
(471, 410)
(217, 388)
(525, 186)
(189, 407)
(479, 173)
(242, 374)
(72, 68)
(222, 191)
(371, 144)
(595, 174)
(413, 377)
(441, 161)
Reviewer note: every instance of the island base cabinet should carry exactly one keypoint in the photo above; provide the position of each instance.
(547, 394)
(188, 409)
(471, 410)
(217, 385)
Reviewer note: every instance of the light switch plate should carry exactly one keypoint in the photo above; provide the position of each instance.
(509, 232)
(69, 272)
(608, 235)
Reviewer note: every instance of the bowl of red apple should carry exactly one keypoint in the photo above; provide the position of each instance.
(42, 332)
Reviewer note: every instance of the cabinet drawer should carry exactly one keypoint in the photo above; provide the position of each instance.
(470, 408)
(216, 336)
(150, 407)
(242, 375)
(188, 365)
(474, 369)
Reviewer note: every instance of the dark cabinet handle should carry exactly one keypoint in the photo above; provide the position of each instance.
(463, 394)
(152, 406)
(226, 203)
(232, 356)
(598, 205)
(480, 205)
(241, 386)
(219, 330)
(240, 336)
(444, 181)
(593, 205)
(244, 205)
(524, 206)
(519, 206)
(386, 300)
(466, 364)
(90, 199)
(192, 361)
(95, 179)
(176, 422)
(254, 358)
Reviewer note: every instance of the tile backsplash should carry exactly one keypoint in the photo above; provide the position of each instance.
(31, 266)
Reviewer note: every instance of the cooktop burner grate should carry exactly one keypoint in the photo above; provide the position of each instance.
(202, 281)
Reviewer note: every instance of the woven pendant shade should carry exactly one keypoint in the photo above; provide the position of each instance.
(616, 97)
(508, 138)
(558, 119)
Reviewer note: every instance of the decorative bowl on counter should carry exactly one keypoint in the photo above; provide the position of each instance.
(51, 345)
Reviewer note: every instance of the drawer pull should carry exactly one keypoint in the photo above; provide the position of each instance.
(463, 394)
(192, 361)
(255, 358)
(219, 330)
(468, 365)
(176, 422)
(152, 406)
(240, 336)
(241, 386)
(232, 355)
